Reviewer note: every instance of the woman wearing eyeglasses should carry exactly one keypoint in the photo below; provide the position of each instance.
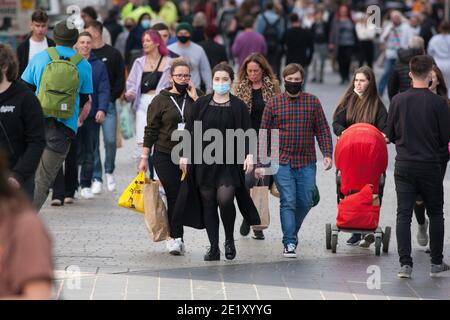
(167, 113)
(148, 76)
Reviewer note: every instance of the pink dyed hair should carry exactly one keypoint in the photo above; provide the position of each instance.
(156, 39)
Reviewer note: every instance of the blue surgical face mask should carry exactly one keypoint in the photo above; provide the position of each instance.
(145, 24)
(222, 88)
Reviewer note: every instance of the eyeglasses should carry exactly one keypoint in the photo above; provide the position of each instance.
(182, 76)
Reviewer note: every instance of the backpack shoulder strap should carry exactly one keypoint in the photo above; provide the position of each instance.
(270, 24)
(76, 58)
(54, 55)
(265, 19)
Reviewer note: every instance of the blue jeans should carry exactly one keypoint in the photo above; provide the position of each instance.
(109, 127)
(89, 133)
(388, 67)
(296, 187)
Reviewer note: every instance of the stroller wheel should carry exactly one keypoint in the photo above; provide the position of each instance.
(377, 245)
(328, 235)
(334, 240)
(386, 239)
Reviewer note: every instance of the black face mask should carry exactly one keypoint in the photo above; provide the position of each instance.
(184, 39)
(293, 87)
(129, 27)
(181, 88)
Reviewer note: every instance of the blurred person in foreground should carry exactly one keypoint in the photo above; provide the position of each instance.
(26, 266)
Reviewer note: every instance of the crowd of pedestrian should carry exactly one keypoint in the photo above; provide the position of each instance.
(230, 65)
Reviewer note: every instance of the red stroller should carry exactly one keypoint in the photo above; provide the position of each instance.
(361, 160)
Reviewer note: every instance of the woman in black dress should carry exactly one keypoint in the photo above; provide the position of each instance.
(211, 184)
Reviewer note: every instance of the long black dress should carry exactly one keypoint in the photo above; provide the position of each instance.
(217, 116)
(188, 209)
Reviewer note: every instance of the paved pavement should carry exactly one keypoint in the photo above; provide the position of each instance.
(104, 252)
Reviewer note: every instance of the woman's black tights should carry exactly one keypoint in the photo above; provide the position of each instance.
(224, 198)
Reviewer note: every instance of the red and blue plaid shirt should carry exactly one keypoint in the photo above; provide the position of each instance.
(298, 120)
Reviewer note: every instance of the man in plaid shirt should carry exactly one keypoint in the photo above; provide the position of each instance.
(299, 118)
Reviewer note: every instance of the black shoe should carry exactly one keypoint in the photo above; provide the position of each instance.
(258, 235)
(230, 249)
(213, 254)
(313, 80)
(354, 239)
(245, 228)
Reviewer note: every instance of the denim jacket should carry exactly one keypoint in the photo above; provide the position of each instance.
(135, 77)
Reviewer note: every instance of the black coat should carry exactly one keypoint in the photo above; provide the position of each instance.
(399, 81)
(188, 209)
(23, 52)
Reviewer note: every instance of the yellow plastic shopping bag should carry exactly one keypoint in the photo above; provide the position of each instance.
(133, 196)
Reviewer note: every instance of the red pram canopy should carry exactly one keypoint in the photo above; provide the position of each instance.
(361, 157)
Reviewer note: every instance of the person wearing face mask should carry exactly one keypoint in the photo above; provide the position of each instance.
(133, 47)
(121, 40)
(418, 164)
(166, 114)
(299, 117)
(360, 103)
(148, 76)
(194, 54)
(256, 86)
(211, 185)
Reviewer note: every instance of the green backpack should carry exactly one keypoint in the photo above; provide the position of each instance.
(59, 85)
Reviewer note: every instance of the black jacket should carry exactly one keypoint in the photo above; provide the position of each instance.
(115, 65)
(188, 209)
(23, 52)
(400, 80)
(340, 120)
(22, 134)
(299, 44)
(215, 52)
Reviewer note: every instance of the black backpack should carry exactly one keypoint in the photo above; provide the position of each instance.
(271, 34)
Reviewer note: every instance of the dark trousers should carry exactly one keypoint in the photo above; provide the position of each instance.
(366, 50)
(419, 207)
(170, 177)
(274, 59)
(344, 58)
(411, 180)
(66, 182)
(89, 136)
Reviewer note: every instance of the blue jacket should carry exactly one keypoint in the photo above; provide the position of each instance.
(100, 96)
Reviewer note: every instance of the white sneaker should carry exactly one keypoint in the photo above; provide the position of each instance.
(422, 234)
(177, 247)
(96, 187)
(86, 193)
(169, 243)
(110, 182)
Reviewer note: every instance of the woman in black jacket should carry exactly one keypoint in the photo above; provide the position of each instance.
(21, 123)
(217, 183)
(166, 113)
(360, 103)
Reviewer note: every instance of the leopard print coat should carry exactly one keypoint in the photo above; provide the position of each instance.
(244, 91)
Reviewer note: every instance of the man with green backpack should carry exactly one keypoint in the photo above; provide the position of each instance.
(62, 80)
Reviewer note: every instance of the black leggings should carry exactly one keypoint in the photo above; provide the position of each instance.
(419, 207)
(224, 198)
(169, 175)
